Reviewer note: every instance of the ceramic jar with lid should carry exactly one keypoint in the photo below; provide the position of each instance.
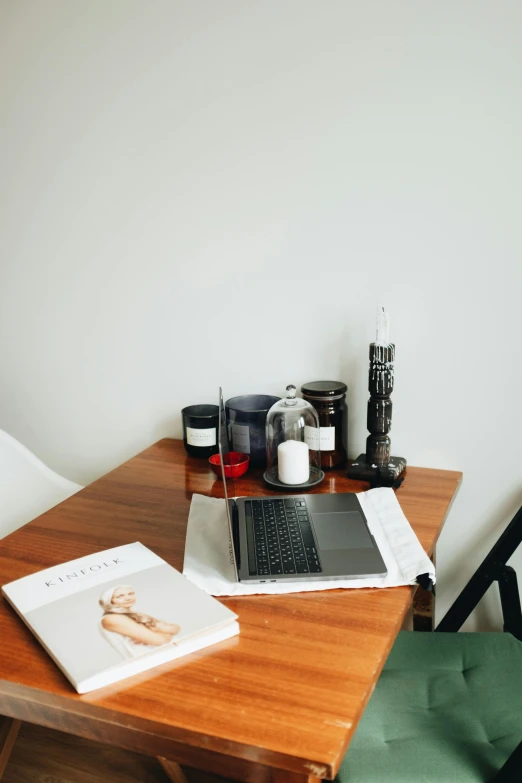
(329, 400)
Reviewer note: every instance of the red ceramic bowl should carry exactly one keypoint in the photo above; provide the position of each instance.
(235, 464)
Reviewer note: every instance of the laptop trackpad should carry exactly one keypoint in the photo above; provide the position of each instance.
(341, 530)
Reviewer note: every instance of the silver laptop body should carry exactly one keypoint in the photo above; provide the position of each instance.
(297, 537)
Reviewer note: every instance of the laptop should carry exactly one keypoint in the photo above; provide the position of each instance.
(296, 537)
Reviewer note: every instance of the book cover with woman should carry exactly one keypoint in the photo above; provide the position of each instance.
(115, 613)
(132, 633)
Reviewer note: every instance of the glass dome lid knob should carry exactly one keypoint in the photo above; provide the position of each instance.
(291, 392)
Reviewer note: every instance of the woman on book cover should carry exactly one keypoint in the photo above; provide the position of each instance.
(132, 633)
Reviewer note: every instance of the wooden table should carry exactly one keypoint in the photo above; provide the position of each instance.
(278, 703)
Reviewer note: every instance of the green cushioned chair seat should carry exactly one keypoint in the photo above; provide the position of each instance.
(447, 707)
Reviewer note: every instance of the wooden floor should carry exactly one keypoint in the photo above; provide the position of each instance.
(44, 756)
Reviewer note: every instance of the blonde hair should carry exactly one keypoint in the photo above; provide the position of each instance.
(105, 599)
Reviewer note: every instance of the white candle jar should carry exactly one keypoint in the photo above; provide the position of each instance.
(290, 461)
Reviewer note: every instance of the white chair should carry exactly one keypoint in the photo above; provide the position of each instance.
(27, 486)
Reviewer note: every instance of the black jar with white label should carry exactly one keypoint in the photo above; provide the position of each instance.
(329, 400)
(200, 423)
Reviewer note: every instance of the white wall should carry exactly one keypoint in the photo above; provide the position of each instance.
(173, 170)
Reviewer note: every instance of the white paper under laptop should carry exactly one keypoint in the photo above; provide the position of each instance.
(207, 557)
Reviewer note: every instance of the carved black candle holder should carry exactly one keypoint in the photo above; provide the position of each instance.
(377, 466)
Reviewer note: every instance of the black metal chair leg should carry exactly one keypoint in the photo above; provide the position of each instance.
(511, 772)
(510, 600)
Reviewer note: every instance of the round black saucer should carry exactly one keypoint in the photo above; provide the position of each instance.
(316, 476)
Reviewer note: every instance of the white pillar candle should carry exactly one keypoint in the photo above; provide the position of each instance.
(293, 464)
(383, 327)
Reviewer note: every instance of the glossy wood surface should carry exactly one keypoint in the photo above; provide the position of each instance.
(286, 694)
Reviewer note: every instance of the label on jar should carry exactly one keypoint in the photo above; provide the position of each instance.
(204, 437)
(320, 437)
(241, 438)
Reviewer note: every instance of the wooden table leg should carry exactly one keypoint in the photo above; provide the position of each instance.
(424, 608)
(9, 728)
(173, 770)
(282, 776)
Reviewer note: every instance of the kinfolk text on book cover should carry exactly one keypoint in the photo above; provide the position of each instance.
(106, 616)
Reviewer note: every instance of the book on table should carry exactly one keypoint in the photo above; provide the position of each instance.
(107, 616)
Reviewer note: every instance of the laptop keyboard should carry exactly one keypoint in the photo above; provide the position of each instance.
(280, 538)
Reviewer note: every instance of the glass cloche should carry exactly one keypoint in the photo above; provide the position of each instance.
(292, 443)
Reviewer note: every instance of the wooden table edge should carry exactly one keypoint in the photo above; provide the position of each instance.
(142, 736)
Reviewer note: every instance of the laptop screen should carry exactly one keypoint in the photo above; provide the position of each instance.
(224, 448)
(224, 444)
